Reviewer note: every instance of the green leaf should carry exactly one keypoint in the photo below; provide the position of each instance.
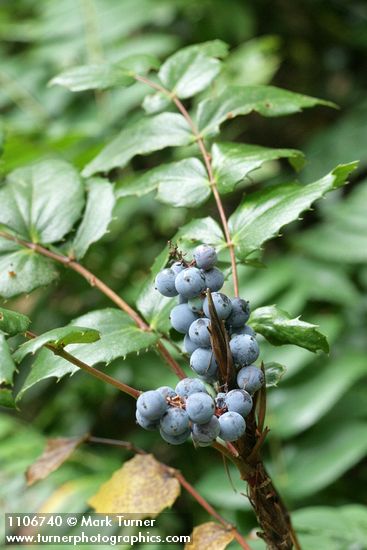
(153, 306)
(22, 270)
(118, 337)
(7, 365)
(344, 526)
(97, 215)
(232, 162)
(12, 323)
(261, 215)
(297, 407)
(59, 338)
(106, 75)
(142, 137)
(155, 103)
(268, 101)
(309, 470)
(274, 372)
(192, 69)
(184, 183)
(42, 201)
(279, 328)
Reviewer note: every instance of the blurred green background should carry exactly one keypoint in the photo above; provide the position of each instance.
(318, 440)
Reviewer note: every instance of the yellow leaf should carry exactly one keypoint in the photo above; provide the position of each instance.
(210, 536)
(142, 486)
(56, 452)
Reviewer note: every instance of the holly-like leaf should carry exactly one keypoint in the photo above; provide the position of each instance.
(57, 451)
(42, 201)
(12, 323)
(141, 138)
(232, 162)
(59, 338)
(210, 536)
(274, 372)
(97, 215)
(192, 69)
(7, 398)
(106, 75)
(279, 328)
(268, 101)
(22, 270)
(118, 337)
(184, 183)
(143, 487)
(261, 215)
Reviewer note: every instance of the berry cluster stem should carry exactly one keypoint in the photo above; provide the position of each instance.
(208, 165)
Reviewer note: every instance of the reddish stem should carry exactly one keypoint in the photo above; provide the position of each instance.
(106, 290)
(91, 370)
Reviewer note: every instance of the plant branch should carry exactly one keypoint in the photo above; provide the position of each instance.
(93, 280)
(183, 482)
(90, 370)
(208, 165)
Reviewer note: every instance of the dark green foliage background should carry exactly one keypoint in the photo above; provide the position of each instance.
(318, 414)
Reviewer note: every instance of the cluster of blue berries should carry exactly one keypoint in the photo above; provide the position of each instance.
(189, 408)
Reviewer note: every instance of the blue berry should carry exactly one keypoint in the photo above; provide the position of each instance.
(203, 362)
(214, 279)
(190, 282)
(240, 313)
(175, 439)
(145, 422)
(196, 304)
(200, 407)
(250, 379)
(239, 401)
(166, 392)
(232, 426)
(205, 434)
(222, 304)
(199, 332)
(177, 267)
(244, 349)
(151, 404)
(175, 421)
(242, 330)
(165, 283)
(188, 386)
(205, 256)
(189, 345)
(182, 300)
(182, 317)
